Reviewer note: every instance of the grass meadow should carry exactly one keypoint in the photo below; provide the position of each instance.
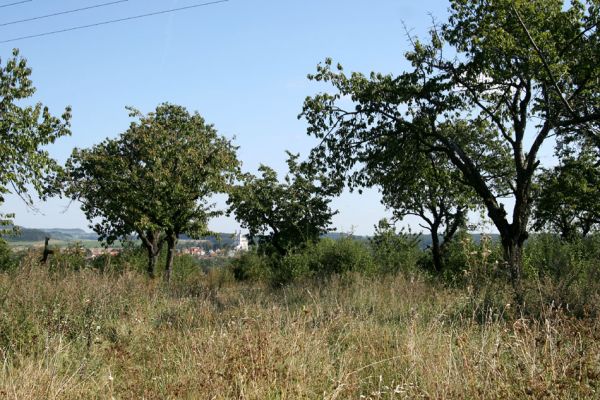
(89, 334)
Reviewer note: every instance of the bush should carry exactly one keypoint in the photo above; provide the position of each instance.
(394, 252)
(73, 257)
(549, 255)
(7, 258)
(473, 263)
(134, 257)
(558, 274)
(251, 266)
(564, 273)
(294, 266)
(330, 257)
(322, 259)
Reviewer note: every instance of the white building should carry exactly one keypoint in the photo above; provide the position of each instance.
(240, 242)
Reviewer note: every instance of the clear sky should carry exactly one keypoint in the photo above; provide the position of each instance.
(241, 64)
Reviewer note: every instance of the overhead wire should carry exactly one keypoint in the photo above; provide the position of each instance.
(15, 3)
(171, 10)
(62, 13)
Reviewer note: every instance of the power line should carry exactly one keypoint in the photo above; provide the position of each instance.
(62, 13)
(113, 21)
(15, 4)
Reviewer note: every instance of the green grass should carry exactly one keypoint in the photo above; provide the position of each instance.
(92, 335)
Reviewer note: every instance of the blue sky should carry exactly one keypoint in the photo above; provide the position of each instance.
(241, 64)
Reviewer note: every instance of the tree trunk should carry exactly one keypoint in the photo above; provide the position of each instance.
(152, 241)
(47, 252)
(152, 258)
(513, 251)
(436, 250)
(171, 248)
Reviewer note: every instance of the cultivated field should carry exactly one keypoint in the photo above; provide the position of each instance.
(24, 245)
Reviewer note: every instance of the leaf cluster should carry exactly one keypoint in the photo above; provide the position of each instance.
(567, 196)
(288, 214)
(497, 77)
(156, 176)
(24, 131)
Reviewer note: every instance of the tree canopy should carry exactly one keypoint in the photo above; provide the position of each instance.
(24, 131)
(436, 194)
(155, 180)
(487, 89)
(288, 214)
(567, 196)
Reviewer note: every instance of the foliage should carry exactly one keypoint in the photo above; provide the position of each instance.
(435, 194)
(565, 272)
(475, 261)
(552, 257)
(342, 256)
(24, 131)
(567, 198)
(251, 266)
(394, 251)
(73, 257)
(497, 77)
(154, 180)
(132, 257)
(284, 215)
(321, 259)
(7, 258)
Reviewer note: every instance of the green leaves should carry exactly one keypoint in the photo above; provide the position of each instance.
(394, 251)
(567, 196)
(23, 132)
(288, 214)
(485, 92)
(157, 176)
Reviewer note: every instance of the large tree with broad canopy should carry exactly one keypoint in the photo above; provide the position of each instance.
(485, 91)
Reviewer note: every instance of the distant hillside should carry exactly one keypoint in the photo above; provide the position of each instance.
(74, 235)
(77, 234)
(340, 235)
(38, 235)
(217, 241)
(424, 239)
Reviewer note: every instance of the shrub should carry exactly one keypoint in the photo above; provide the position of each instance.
(322, 259)
(73, 257)
(251, 266)
(393, 252)
(134, 257)
(549, 255)
(7, 258)
(330, 257)
(564, 273)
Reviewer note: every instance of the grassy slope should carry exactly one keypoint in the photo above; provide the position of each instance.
(88, 335)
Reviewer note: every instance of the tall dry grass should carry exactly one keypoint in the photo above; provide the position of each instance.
(91, 335)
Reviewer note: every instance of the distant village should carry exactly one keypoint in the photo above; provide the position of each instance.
(239, 245)
(197, 249)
